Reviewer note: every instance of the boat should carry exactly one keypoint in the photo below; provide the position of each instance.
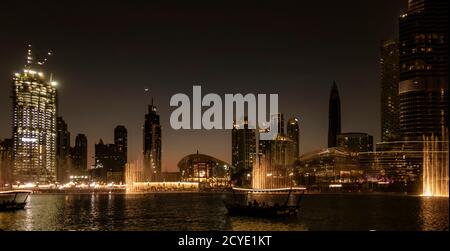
(13, 200)
(257, 210)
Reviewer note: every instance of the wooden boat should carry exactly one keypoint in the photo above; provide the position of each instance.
(13, 200)
(257, 210)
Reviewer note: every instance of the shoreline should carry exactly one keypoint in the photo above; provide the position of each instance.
(225, 192)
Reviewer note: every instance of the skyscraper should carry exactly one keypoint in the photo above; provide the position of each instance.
(34, 123)
(79, 155)
(423, 87)
(389, 68)
(152, 144)
(263, 144)
(280, 120)
(108, 164)
(243, 151)
(293, 134)
(62, 150)
(334, 116)
(120, 140)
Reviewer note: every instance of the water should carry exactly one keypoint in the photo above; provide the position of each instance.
(194, 211)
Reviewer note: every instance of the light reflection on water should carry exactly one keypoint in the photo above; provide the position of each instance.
(206, 212)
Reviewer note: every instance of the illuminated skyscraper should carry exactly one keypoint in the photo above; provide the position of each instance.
(293, 134)
(34, 123)
(423, 87)
(243, 151)
(334, 116)
(152, 145)
(389, 68)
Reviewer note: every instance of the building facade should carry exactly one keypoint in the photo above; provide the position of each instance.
(389, 69)
(396, 163)
(293, 134)
(423, 87)
(334, 116)
(206, 170)
(355, 142)
(243, 151)
(78, 155)
(111, 159)
(62, 151)
(107, 167)
(121, 142)
(152, 145)
(34, 124)
(328, 166)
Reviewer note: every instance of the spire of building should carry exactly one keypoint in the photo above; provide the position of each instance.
(29, 57)
(32, 58)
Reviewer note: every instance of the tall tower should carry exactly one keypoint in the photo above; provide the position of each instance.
(334, 116)
(152, 144)
(120, 140)
(243, 151)
(293, 134)
(34, 123)
(389, 68)
(280, 120)
(423, 87)
(79, 155)
(62, 150)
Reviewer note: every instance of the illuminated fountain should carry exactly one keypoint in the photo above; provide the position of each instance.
(435, 165)
(268, 175)
(134, 172)
(272, 166)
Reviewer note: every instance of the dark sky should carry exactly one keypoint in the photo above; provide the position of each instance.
(107, 52)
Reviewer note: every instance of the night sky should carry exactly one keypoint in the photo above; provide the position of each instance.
(107, 52)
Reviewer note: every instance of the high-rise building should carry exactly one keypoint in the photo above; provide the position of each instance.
(78, 155)
(264, 144)
(389, 68)
(62, 150)
(355, 141)
(120, 140)
(152, 145)
(280, 122)
(34, 123)
(108, 166)
(293, 134)
(243, 152)
(423, 87)
(334, 116)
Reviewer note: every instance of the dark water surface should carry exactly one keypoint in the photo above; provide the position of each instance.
(194, 211)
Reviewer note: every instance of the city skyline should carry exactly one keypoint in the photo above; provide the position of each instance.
(224, 116)
(114, 92)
